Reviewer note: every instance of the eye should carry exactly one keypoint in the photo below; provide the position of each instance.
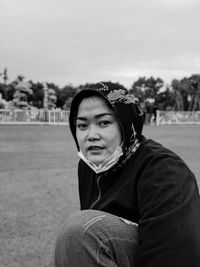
(104, 123)
(81, 126)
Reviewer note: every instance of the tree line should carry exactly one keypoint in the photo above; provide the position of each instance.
(151, 92)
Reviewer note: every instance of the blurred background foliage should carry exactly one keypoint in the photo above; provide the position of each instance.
(151, 92)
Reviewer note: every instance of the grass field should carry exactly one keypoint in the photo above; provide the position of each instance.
(38, 185)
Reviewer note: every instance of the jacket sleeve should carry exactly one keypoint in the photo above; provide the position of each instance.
(169, 225)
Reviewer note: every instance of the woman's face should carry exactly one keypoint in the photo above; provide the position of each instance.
(97, 130)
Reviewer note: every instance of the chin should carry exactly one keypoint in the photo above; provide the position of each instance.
(96, 161)
(96, 158)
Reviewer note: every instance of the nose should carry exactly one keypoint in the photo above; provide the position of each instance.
(93, 133)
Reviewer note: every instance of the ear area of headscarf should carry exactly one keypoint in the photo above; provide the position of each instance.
(141, 119)
(134, 134)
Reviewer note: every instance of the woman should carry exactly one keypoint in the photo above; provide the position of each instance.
(140, 204)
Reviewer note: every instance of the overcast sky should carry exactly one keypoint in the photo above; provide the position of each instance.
(79, 41)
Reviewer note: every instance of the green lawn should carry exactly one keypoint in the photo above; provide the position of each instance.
(38, 185)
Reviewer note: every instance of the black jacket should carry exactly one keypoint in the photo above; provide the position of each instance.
(157, 190)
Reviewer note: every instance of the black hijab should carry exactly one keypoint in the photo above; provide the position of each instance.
(126, 110)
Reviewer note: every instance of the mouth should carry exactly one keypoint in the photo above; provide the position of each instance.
(95, 148)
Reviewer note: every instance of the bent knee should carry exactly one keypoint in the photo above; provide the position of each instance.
(78, 223)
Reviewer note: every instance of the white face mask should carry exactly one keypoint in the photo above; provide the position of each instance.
(106, 164)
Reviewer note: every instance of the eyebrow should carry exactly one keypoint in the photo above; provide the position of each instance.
(96, 116)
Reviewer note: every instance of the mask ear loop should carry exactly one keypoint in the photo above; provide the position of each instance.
(141, 119)
(133, 136)
(140, 116)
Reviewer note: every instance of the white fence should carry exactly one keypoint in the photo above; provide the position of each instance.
(35, 116)
(60, 117)
(177, 117)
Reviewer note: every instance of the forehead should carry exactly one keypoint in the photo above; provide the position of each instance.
(93, 105)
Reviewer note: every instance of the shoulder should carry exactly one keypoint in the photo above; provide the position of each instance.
(165, 180)
(151, 151)
(162, 163)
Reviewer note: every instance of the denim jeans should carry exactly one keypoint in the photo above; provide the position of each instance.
(95, 238)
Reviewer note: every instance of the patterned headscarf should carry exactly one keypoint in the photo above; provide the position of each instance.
(126, 110)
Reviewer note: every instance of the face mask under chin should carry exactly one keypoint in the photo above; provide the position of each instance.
(106, 164)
